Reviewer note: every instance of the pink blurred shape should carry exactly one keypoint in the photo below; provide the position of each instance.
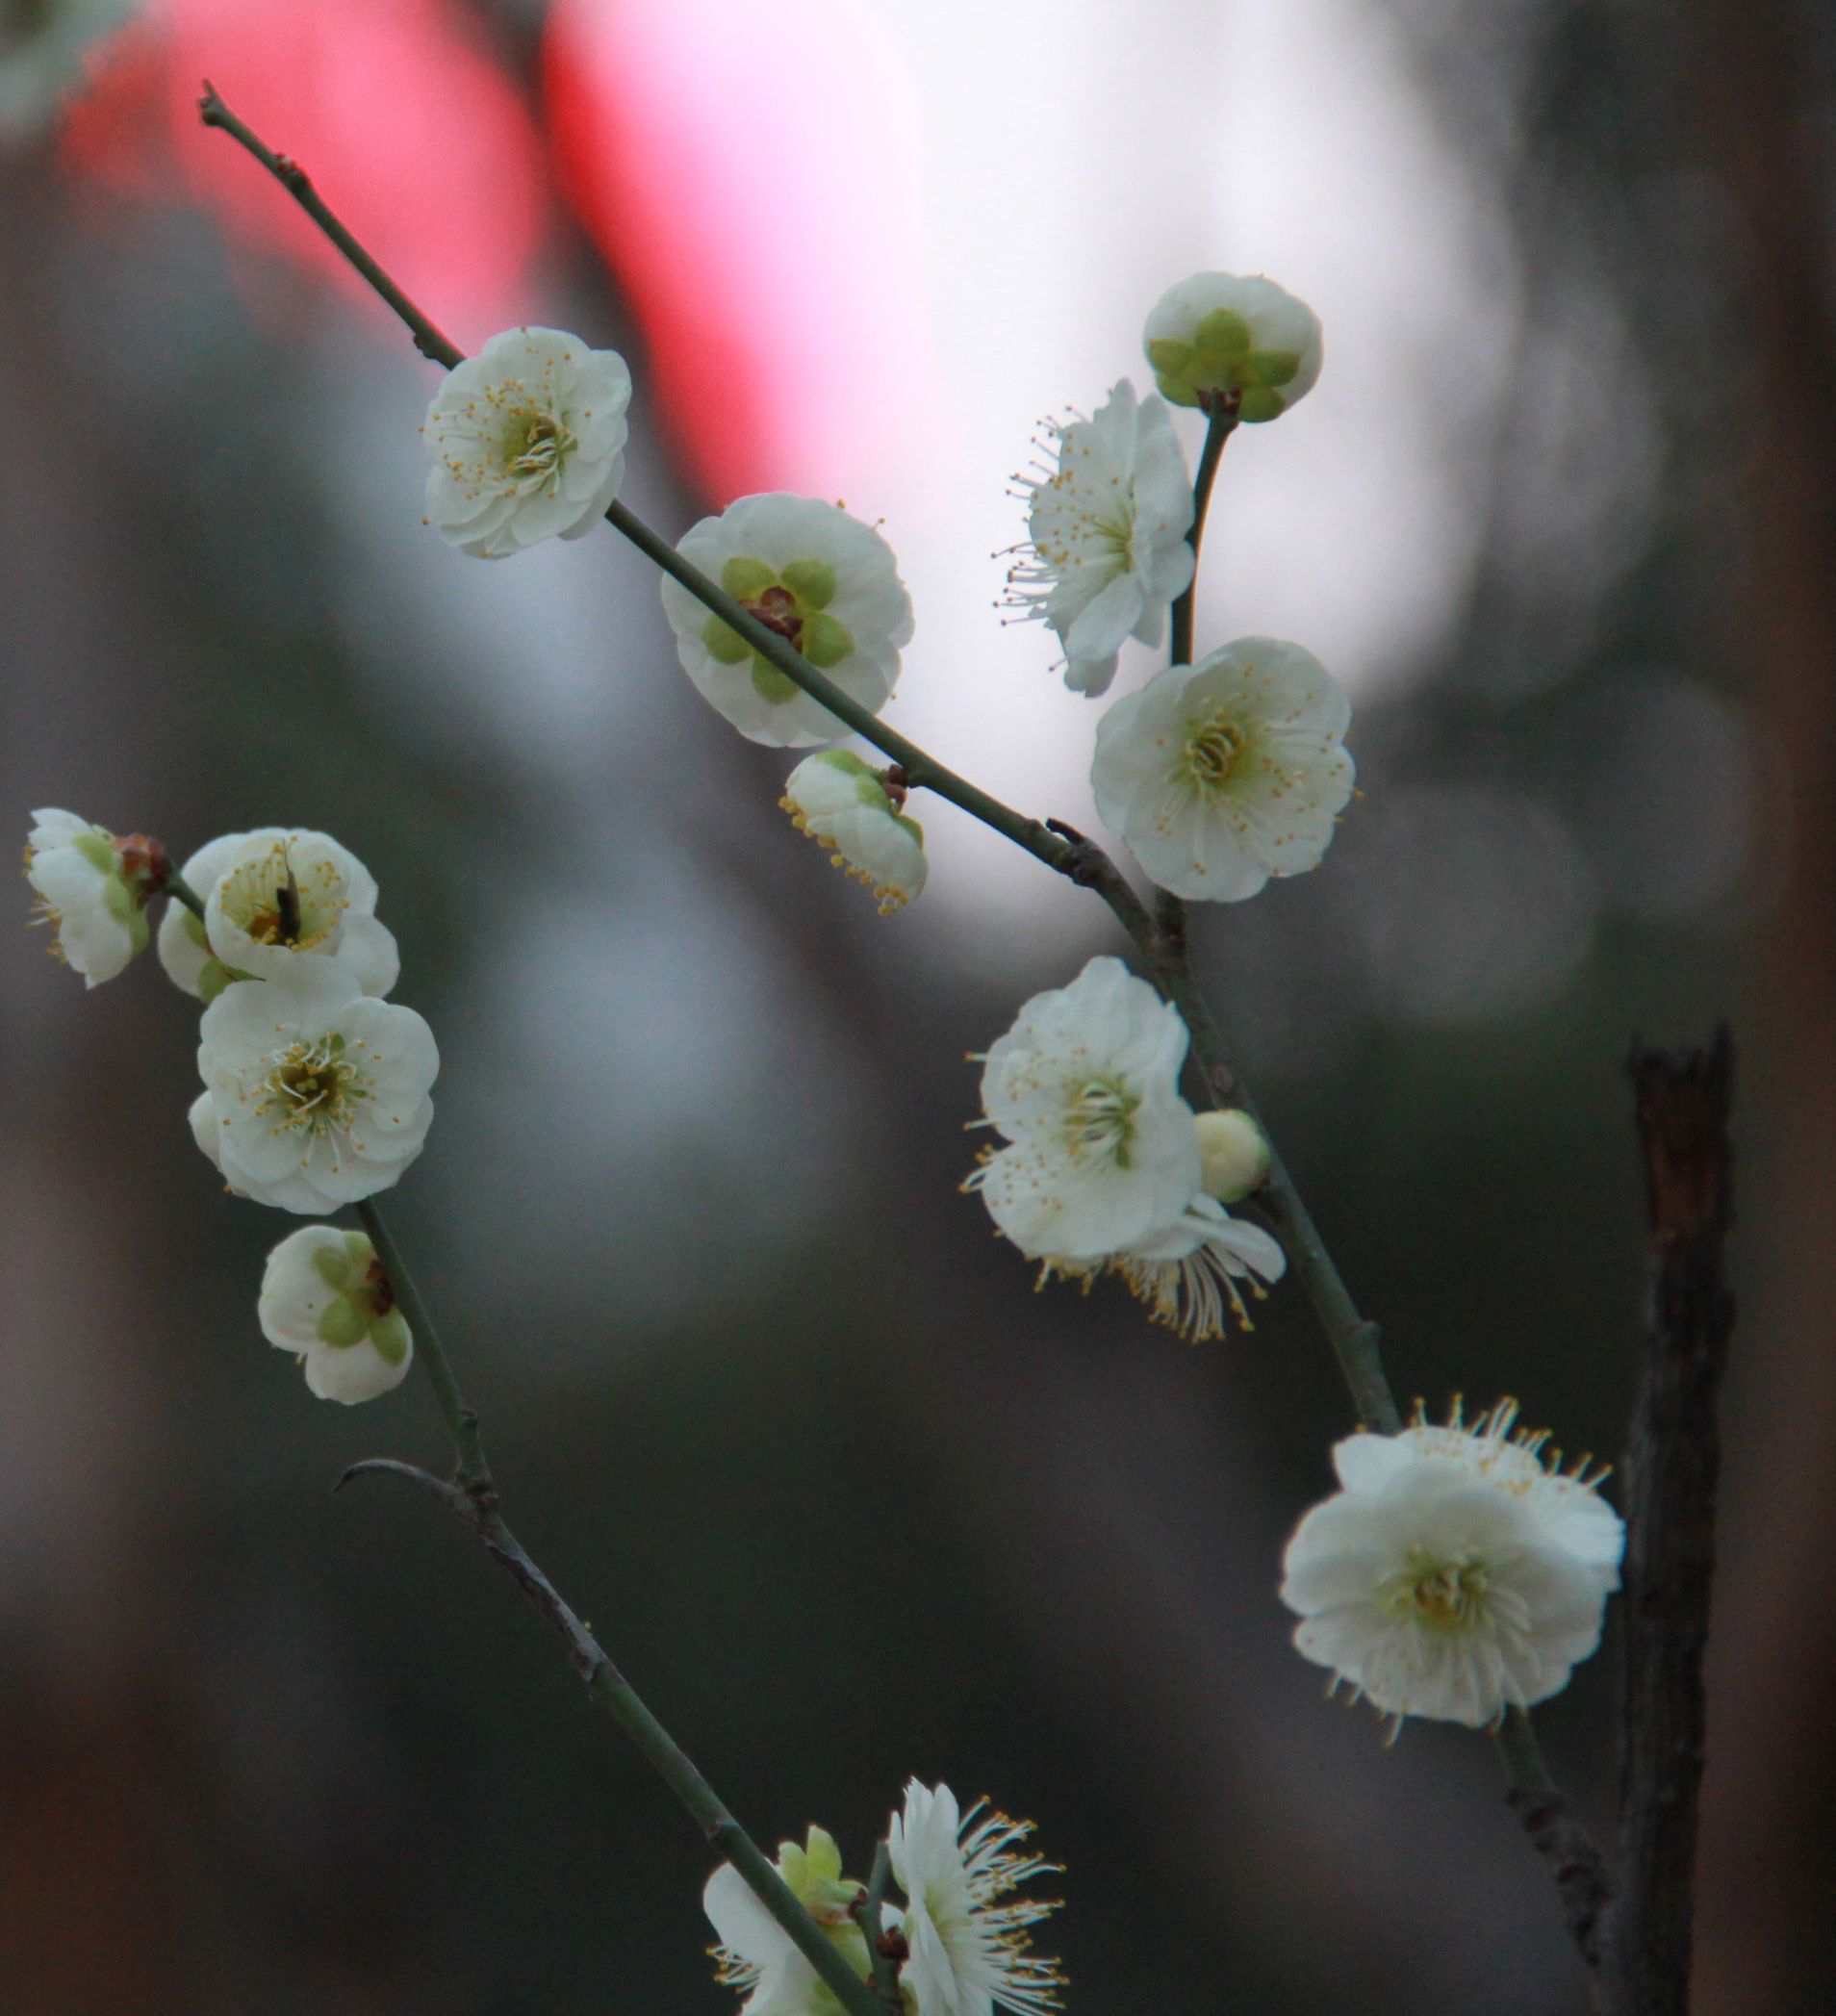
(752, 174)
(394, 107)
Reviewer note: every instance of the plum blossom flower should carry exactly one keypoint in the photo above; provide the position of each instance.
(1223, 773)
(327, 1298)
(319, 1095)
(1107, 551)
(277, 897)
(970, 1952)
(1222, 335)
(1456, 1574)
(843, 804)
(755, 1954)
(824, 581)
(527, 440)
(92, 890)
(1101, 1151)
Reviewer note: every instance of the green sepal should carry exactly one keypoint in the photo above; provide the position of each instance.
(812, 581)
(1270, 366)
(193, 929)
(723, 642)
(361, 1253)
(1262, 403)
(389, 1335)
(343, 1324)
(824, 643)
(137, 929)
(772, 685)
(337, 1269)
(746, 580)
(214, 977)
(97, 847)
(1223, 333)
(117, 899)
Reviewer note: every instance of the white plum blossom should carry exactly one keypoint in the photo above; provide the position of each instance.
(843, 804)
(1101, 1151)
(92, 890)
(1456, 1574)
(319, 1094)
(283, 896)
(1223, 773)
(825, 582)
(45, 49)
(1107, 550)
(527, 440)
(327, 1298)
(1225, 336)
(755, 1954)
(969, 1952)
(271, 897)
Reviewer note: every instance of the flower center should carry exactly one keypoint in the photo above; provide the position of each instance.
(1213, 750)
(776, 608)
(1442, 1595)
(312, 1088)
(536, 446)
(1099, 1119)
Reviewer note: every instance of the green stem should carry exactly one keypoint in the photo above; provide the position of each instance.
(181, 891)
(886, 1969)
(1221, 423)
(462, 1423)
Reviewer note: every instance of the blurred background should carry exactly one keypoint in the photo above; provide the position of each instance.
(846, 1498)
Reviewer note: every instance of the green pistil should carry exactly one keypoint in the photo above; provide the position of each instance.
(794, 602)
(538, 447)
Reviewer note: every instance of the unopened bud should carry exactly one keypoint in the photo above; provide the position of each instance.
(1233, 1153)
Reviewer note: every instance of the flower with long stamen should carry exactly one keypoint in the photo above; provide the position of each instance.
(327, 1298)
(1188, 1277)
(1107, 551)
(1223, 773)
(1457, 1573)
(319, 1094)
(843, 804)
(755, 1954)
(92, 890)
(272, 897)
(1235, 337)
(527, 440)
(969, 1952)
(822, 581)
(1101, 1151)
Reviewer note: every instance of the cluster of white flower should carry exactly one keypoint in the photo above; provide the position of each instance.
(960, 1946)
(1106, 1167)
(315, 1089)
(1456, 1574)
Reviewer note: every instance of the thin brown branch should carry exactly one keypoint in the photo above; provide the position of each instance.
(1672, 1465)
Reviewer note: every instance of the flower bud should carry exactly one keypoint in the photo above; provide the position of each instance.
(1219, 338)
(1233, 1154)
(92, 890)
(325, 1297)
(843, 804)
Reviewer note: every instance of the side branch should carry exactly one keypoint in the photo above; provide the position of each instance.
(475, 1504)
(1672, 1471)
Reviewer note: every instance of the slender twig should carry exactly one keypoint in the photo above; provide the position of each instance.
(471, 1497)
(1355, 1340)
(1221, 423)
(1672, 1468)
(1583, 1883)
(428, 339)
